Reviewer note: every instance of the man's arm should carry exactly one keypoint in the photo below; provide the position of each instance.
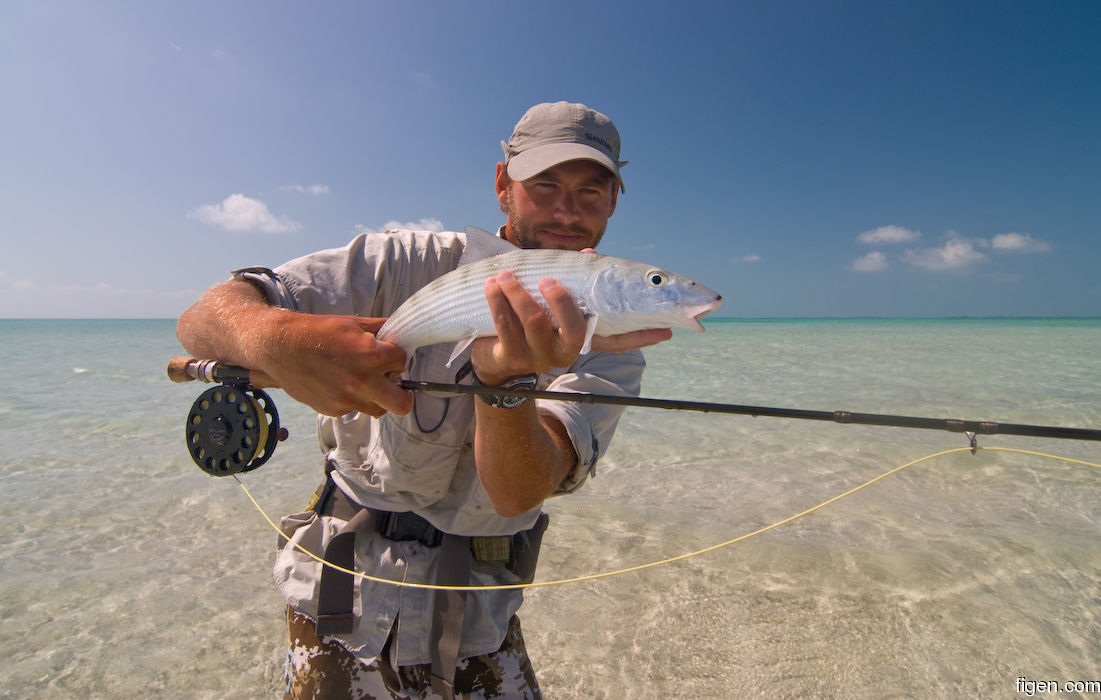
(331, 363)
(521, 455)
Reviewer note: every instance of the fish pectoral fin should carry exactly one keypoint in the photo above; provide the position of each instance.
(458, 349)
(590, 331)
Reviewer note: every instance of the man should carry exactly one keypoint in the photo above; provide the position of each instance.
(431, 489)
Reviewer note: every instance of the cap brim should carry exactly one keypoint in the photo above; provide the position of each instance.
(534, 160)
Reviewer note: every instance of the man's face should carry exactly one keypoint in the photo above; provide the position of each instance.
(565, 207)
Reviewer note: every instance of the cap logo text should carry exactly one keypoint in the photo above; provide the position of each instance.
(596, 139)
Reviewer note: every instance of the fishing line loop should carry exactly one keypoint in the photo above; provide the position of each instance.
(670, 560)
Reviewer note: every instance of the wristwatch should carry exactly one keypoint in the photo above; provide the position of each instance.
(523, 382)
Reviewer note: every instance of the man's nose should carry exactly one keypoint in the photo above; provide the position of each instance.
(565, 206)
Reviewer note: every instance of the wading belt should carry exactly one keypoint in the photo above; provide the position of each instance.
(457, 554)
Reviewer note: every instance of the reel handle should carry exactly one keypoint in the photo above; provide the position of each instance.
(187, 369)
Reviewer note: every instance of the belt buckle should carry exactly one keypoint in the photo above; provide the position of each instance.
(407, 527)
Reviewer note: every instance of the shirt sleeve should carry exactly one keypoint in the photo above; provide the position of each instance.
(589, 425)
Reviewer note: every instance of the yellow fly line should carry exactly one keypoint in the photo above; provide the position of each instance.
(670, 560)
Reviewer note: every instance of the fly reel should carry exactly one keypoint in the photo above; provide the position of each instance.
(232, 429)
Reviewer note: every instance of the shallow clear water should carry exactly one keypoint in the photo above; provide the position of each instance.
(126, 571)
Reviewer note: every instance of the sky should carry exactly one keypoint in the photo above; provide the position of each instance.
(803, 158)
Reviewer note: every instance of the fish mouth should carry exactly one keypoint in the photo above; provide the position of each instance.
(694, 312)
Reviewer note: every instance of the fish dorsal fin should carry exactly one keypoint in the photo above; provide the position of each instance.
(482, 244)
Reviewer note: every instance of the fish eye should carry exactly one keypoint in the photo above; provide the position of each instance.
(655, 278)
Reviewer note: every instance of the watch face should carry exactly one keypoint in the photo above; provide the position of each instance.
(526, 381)
(509, 401)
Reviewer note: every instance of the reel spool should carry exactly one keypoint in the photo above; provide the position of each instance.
(232, 429)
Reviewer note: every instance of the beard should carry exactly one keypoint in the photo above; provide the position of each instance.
(526, 232)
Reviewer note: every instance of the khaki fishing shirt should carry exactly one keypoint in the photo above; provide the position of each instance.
(423, 461)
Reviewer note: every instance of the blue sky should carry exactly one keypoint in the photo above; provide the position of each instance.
(802, 158)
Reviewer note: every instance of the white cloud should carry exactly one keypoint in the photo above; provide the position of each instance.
(428, 224)
(872, 262)
(748, 259)
(307, 189)
(888, 234)
(240, 213)
(1019, 242)
(956, 254)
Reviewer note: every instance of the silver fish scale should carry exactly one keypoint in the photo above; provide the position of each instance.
(454, 307)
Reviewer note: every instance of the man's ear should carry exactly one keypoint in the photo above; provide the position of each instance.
(503, 183)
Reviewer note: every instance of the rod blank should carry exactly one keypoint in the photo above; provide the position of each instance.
(949, 424)
(185, 369)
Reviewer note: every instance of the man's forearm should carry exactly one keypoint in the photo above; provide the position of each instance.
(226, 324)
(521, 456)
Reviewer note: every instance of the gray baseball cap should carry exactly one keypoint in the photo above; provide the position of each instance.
(553, 133)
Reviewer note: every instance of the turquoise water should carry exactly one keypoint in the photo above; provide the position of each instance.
(125, 571)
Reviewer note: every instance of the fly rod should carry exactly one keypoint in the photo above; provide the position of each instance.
(949, 424)
(183, 369)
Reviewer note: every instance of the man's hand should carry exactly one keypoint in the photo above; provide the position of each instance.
(335, 365)
(527, 340)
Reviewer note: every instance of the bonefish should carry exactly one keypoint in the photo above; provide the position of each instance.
(615, 296)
